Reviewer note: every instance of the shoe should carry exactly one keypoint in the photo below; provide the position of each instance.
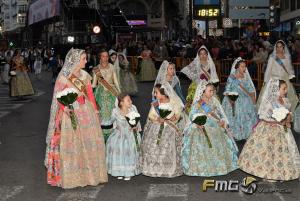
(119, 177)
(127, 178)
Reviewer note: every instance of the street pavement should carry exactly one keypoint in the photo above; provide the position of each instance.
(23, 126)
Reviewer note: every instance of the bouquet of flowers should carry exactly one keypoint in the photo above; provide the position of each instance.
(13, 73)
(200, 120)
(67, 97)
(280, 114)
(233, 96)
(133, 119)
(165, 111)
(215, 82)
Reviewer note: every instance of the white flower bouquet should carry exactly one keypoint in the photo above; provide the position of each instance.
(133, 119)
(13, 73)
(280, 114)
(67, 97)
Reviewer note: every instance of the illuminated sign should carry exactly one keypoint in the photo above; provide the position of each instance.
(208, 12)
(136, 22)
(264, 33)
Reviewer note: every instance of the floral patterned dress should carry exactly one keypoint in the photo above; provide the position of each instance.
(271, 152)
(198, 159)
(76, 157)
(245, 116)
(163, 159)
(122, 154)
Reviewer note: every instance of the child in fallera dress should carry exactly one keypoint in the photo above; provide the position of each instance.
(242, 113)
(271, 151)
(122, 149)
(208, 150)
(161, 149)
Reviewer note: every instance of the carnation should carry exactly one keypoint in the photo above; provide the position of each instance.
(198, 115)
(280, 114)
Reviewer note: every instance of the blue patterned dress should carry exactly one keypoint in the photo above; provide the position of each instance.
(122, 155)
(200, 160)
(245, 111)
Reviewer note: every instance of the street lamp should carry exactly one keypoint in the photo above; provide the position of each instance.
(71, 39)
(96, 29)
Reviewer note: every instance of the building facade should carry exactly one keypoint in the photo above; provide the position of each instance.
(13, 19)
(290, 16)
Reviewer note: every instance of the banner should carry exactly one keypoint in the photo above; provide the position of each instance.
(42, 10)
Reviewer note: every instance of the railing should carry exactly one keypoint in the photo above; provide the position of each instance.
(223, 68)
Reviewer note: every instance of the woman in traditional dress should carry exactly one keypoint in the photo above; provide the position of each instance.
(123, 145)
(75, 156)
(167, 73)
(242, 113)
(106, 89)
(208, 150)
(162, 139)
(127, 79)
(271, 151)
(280, 67)
(148, 70)
(20, 84)
(201, 68)
(113, 59)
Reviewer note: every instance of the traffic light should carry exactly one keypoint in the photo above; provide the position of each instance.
(274, 15)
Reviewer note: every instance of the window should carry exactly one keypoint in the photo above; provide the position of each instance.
(287, 4)
(22, 9)
(282, 5)
(21, 19)
(293, 5)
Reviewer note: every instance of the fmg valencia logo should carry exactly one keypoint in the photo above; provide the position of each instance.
(248, 185)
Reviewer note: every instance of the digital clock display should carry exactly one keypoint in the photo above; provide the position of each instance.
(208, 12)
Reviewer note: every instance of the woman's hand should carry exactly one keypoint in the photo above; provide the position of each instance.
(253, 99)
(288, 120)
(133, 129)
(161, 120)
(200, 126)
(173, 118)
(68, 111)
(222, 123)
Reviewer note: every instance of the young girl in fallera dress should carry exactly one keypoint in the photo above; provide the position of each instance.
(271, 151)
(212, 154)
(122, 149)
(242, 113)
(162, 158)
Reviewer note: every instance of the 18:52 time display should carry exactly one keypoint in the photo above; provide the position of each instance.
(208, 12)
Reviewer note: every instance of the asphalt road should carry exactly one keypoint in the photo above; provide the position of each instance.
(23, 126)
